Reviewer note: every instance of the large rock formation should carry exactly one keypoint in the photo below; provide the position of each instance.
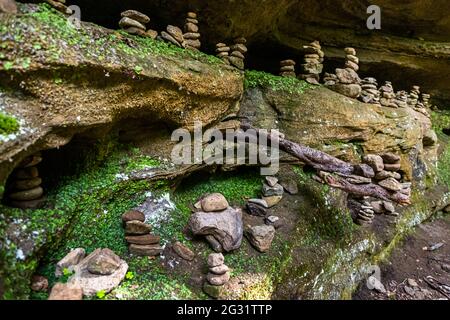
(92, 78)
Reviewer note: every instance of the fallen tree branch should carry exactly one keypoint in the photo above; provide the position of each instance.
(326, 165)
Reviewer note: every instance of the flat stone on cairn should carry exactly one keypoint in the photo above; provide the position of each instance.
(173, 35)
(287, 68)
(238, 51)
(24, 191)
(312, 66)
(191, 32)
(369, 93)
(58, 5)
(223, 52)
(137, 234)
(133, 22)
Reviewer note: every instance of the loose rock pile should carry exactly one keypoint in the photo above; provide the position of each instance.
(24, 189)
(102, 270)
(223, 52)
(313, 59)
(221, 224)
(287, 68)
(370, 93)
(134, 23)
(346, 81)
(141, 241)
(218, 275)
(191, 35)
(388, 96)
(238, 51)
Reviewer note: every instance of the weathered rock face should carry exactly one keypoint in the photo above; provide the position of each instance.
(418, 28)
(92, 78)
(339, 125)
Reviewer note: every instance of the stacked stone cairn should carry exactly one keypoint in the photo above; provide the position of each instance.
(384, 170)
(401, 99)
(330, 79)
(174, 35)
(287, 68)
(313, 59)
(218, 275)
(426, 100)
(191, 35)
(346, 81)
(388, 95)
(238, 51)
(24, 188)
(415, 102)
(137, 234)
(223, 52)
(133, 22)
(370, 93)
(59, 5)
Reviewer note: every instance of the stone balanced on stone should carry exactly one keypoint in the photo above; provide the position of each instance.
(370, 93)
(388, 95)
(218, 275)
(133, 22)
(223, 52)
(313, 59)
(174, 35)
(287, 68)
(24, 189)
(238, 51)
(347, 81)
(401, 99)
(191, 35)
(413, 97)
(137, 234)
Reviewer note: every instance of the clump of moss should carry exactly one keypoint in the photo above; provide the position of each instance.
(255, 79)
(8, 124)
(440, 120)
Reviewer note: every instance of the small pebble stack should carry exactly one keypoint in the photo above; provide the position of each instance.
(287, 68)
(219, 273)
(313, 59)
(191, 35)
(133, 22)
(137, 234)
(388, 95)
(351, 60)
(370, 93)
(59, 5)
(365, 213)
(413, 97)
(24, 190)
(238, 51)
(223, 52)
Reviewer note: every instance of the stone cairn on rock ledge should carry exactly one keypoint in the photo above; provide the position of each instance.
(223, 52)
(313, 59)
(287, 68)
(384, 170)
(388, 95)
(218, 275)
(24, 188)
(370, 93)
(401, 99)
(137, 234)
(346, 81)
(238, 51)
(133, 22)
(174, 35)
(191, 35)
(415, 102)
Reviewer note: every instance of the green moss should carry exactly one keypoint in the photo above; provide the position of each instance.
(440, 120)
(8, 124)
(255, 79)
(443, 166)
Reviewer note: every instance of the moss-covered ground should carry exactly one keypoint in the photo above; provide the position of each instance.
(8, 124)
(290, 85)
